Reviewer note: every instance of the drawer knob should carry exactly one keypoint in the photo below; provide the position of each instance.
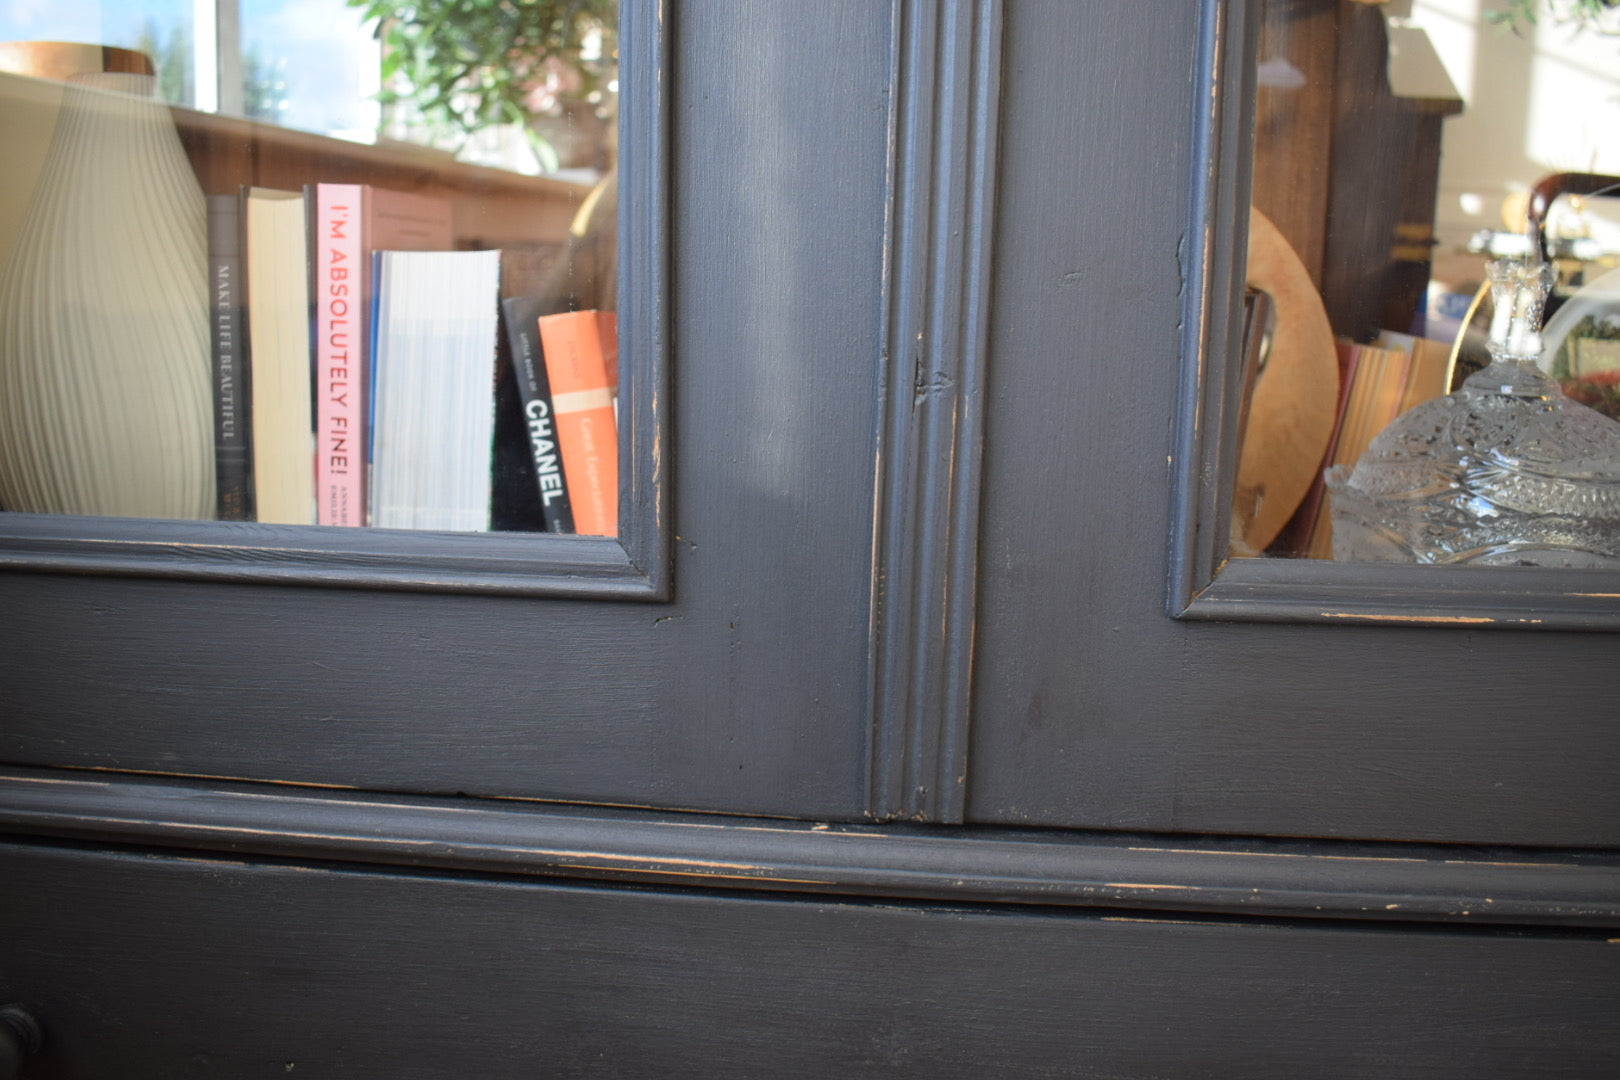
(20, 1038)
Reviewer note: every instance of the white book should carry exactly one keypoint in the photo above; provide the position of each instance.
(433, 419)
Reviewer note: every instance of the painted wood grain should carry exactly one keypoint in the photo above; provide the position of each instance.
(1389, 883)
(139, 966)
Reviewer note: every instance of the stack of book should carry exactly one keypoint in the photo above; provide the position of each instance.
(368, 374)
(1377, 383)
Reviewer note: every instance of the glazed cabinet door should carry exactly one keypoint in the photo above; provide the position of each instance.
(719, 654)
(1128, 674)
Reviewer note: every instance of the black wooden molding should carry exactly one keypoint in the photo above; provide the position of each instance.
(942, 179)
(1471, 597)
(518, 564)
(1203, 582)
(643, 293)
(635, 566)
(1300, 879)
(1215, 247)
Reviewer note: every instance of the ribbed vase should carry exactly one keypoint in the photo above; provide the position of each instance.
(105, 394)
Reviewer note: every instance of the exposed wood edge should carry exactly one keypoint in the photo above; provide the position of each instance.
(1325, 879)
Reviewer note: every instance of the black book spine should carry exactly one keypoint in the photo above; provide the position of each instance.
(521, 318)
(227, 325)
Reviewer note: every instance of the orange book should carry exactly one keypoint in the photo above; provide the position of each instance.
(581, 354)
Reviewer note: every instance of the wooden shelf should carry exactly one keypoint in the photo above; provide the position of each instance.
(493, 207)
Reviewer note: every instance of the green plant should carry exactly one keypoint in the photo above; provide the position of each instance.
(264, 87)
(1596, 15)
(171, 57)
(469, 64)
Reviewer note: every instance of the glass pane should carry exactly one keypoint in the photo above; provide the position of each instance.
(374, 287)
(313, 65)
(1399, 148)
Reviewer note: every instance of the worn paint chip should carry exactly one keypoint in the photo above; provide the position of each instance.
(1470, 620)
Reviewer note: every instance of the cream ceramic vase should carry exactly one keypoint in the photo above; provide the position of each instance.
(105, 375)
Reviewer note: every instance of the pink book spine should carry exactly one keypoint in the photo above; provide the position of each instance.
(340, 465)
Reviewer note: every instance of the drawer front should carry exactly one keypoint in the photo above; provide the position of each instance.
(143, 965)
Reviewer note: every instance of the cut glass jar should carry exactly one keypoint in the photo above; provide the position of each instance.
(1505, 470)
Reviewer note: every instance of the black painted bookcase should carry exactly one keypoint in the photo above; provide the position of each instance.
(916, 724)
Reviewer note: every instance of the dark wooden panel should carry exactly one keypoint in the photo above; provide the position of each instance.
(749, 692)
(1093, 708)
(148, 967)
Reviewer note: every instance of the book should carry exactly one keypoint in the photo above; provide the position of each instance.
(1295, 537)
(228, 342)
(514, 498)
(581, 358)
(1389, 377)
(1428, 372)
(348, 222)
(1377, 381)
(433, 368)
(520, 316)
(277, 257)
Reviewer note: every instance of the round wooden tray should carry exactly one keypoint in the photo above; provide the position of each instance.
(1295, 396)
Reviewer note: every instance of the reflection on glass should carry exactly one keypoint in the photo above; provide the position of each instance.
(166, 31)
(269, 307)
(533, 93)
(311, 65)
(1399, 146)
